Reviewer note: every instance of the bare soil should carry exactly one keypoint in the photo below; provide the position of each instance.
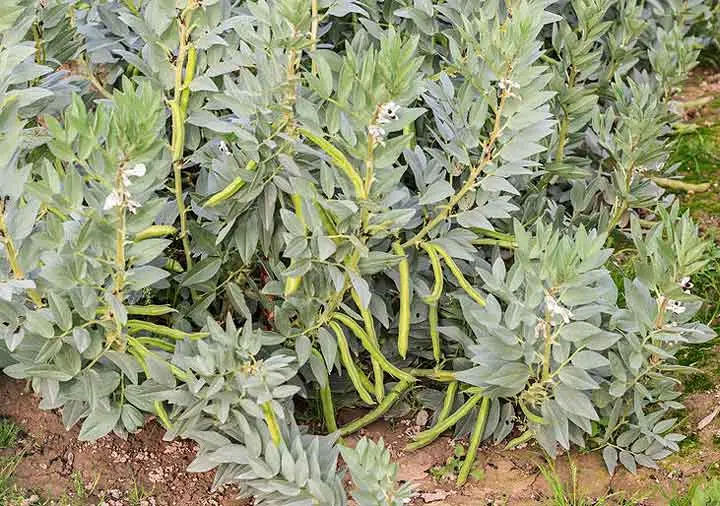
(110, 468)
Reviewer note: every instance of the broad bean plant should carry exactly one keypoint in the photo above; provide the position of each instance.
(216, 212)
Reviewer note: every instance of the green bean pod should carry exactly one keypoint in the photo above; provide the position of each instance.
(150, 310)
(437, 273)
(530, 415)
(459, 276)
(372, 349)
(434, 332)
(376, 413)
(139, 351)
(162, 414)
(328, 408)
(173, 265)
(475, 440)
(404, 315)
(292, 283)
(379, 386)
(157, 343)
(448, 401)
(231, 189)
(369, 386)
(161, 330)
(339, 160)
(139, 357)
(522, 438)
(189, 76)
(349, 363)
(272, 424)
(155, 231)
(428, 436)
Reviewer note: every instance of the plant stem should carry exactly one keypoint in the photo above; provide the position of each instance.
(314, 31)
(475, 441)
(39, 44)
(178, 107)
(547, 352)
(12, 256)
(119, 284)
(469, 183)
(565, 122)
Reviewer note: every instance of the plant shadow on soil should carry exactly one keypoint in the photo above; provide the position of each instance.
(45, 462)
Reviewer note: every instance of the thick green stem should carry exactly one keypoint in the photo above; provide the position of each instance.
(547, 352)
(186, 60)
(475, 441)
(376, 413)
(314, 32)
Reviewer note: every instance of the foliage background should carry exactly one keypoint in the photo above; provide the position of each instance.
(216, 211)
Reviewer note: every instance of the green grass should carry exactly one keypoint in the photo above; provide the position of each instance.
(704, 493)
(562, 494)
(9, 433)
(13, 495)
(697, 152)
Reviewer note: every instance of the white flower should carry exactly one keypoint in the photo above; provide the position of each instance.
(557, 310)
(224, 149)
(388, 112)
(138, 171)
(506, 85)
(676, 306)
(377, 133)
(132, 205)
(112, 200)
(686, 284)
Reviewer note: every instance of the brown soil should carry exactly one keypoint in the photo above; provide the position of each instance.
(513, 477)
(109, 468)
(699, 95)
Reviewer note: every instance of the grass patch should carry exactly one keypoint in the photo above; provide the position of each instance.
(562, 494)
(704, 493)
(9, 433)
(697, 153)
